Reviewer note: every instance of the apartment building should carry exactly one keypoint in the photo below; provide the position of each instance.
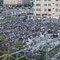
(15, 2)
(48, 8)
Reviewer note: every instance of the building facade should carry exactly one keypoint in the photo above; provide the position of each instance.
(48, 8)
(15, 2)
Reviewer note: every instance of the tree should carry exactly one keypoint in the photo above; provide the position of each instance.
(27, 4)
(1, 40)
(19, 45)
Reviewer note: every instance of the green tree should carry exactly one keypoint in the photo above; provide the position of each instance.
(19, 45)
(27, 4)
(1, 40)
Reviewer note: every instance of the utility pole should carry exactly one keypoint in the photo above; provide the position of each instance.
(8, 49)
(8, 46)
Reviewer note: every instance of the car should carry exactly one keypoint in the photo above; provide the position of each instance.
(54, 36)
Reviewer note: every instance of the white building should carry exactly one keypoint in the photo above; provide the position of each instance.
(49, 8)
(15, 2)
(10, 2)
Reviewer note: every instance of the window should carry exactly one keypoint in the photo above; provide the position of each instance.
(49, 9)
(56, 0)
(38, 14)
(38, 4)
(49, 4)
(45, 4)
(38, 9)
(56, 10)
(45, 9)
(56, 4)
(49, 14)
